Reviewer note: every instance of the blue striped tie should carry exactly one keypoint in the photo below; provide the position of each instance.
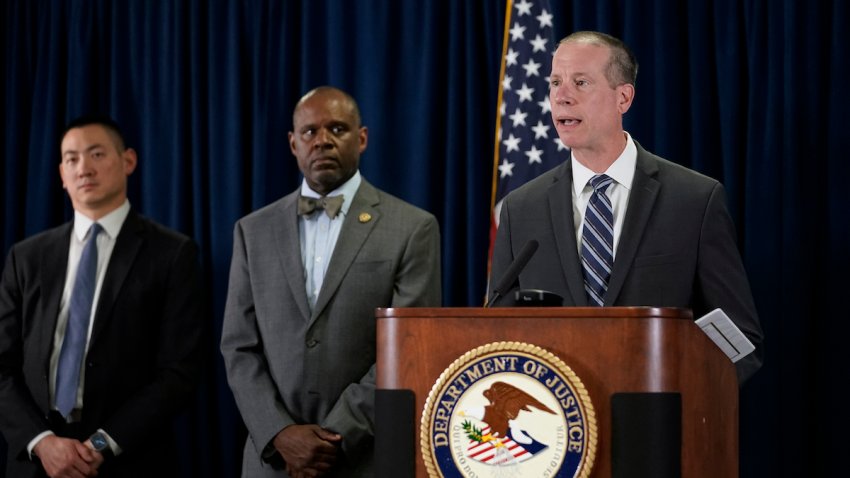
(597, 240)
(76, 333)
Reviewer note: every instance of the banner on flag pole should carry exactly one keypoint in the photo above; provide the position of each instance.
(526, 142)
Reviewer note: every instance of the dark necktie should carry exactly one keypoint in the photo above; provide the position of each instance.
(331, 205)
(79, 314)
(597, 240)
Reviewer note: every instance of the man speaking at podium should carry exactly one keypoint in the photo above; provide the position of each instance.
(617, 225)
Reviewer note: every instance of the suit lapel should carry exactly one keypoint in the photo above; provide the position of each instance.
(351, 238)
(53, 268)
(641, 201)
(289, 251)
(561, 210)
(127, 245)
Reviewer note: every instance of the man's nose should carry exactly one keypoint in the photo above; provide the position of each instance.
(323, 139)
(561, 95)
(84, 165)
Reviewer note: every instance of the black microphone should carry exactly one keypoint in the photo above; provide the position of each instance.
(510, 275)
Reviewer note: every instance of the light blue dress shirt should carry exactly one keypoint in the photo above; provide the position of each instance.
(318, 235)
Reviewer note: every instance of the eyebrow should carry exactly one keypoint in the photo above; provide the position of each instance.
(90, 148)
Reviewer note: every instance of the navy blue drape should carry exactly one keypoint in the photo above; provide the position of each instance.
(748, 92)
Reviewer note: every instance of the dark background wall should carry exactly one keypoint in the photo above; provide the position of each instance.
(749, 92)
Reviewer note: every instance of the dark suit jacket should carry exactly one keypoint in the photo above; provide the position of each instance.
(287, 365)
(143, 353)
(677, 248)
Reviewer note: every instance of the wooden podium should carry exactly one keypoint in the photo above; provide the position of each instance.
(617, 352)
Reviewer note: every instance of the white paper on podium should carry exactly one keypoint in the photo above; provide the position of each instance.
(723, 332)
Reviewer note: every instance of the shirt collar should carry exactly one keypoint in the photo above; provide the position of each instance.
(111, 222)
(622, 170)
(347, 190)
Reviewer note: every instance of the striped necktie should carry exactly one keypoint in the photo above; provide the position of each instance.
(597, 241)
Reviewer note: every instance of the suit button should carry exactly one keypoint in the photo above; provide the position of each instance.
(312, 343)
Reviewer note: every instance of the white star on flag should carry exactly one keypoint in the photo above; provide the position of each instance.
(545, 19)
(525, 93)
(524, 8)
(506, 168)
(539, 44)
(541, 130)
(531, 68)
(512, 143)
(518, 118)
(511, 57)
(534, 155)
(517, 32)
(545, 107)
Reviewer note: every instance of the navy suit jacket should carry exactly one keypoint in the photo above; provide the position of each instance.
(677, 247)
(143, 357)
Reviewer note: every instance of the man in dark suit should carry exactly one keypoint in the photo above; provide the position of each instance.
(671, 241)
(138, 355)
(299, 326)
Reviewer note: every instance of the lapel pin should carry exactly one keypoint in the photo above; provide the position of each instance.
(364, 217)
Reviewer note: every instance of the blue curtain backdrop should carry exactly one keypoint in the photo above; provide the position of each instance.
(749, 92)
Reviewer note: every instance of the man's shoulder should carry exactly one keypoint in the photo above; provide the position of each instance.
(672, 172)
(541, 184)
(396, 209)
(400, 205)
(271, 209)
(36, 242)
(154, 231)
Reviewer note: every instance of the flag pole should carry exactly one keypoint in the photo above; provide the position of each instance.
(494, 185)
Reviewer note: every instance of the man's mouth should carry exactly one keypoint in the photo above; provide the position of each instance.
(325, 162)
(568, 121)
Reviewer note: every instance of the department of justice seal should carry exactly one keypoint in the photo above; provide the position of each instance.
(508, 409)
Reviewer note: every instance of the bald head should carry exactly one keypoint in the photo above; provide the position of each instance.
(331, 93)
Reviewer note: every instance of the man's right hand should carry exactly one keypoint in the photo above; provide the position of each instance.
(66, 457)
(308, 450)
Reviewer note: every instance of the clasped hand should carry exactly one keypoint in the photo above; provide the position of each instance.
(309, 450)
(67, 458)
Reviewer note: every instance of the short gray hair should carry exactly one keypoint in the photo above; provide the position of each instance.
(622, 65)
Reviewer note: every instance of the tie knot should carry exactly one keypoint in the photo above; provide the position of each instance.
(331, 205)
(600, 182)
(94, 230)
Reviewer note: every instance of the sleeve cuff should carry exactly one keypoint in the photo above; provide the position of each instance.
(31, 445)
(113, 445)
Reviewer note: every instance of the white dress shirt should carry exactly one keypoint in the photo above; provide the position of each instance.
(622, 171)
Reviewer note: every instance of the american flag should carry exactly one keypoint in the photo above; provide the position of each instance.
(526, 142)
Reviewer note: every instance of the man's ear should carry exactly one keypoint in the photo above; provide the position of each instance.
(130, 159)
(625, 95)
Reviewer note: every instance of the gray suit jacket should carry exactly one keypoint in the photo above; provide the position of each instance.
(677, 248)
(287, 365)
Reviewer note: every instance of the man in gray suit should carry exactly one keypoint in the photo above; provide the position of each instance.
(673, 242)
(306, 276)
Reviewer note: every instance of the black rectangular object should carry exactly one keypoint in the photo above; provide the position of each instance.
(646, 435)
(395, 432)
